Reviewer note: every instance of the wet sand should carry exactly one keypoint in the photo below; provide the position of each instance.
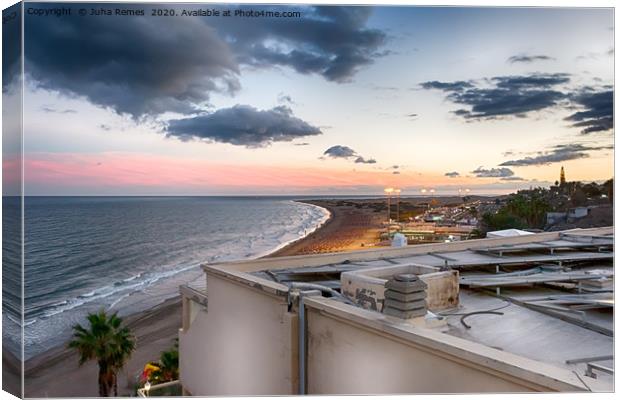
(348, 228)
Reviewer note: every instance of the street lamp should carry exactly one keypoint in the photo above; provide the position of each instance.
(388, 191)
(397, 204)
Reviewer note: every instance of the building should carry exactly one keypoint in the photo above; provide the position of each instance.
(578, 212)
(508, 233)
(515, 314)
(433, 217)
(560, 187)
(571, 215)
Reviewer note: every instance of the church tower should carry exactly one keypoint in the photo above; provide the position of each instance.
(562, 177)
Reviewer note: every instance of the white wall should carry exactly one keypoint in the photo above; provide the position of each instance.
(246, 344)
(350, 354)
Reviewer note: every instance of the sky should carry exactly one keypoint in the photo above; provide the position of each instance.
(337, 100)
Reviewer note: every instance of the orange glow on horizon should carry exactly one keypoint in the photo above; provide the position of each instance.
(130, 170)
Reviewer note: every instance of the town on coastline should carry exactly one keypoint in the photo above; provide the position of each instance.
(374, 222)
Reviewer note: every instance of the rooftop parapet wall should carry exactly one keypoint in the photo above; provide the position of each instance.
(355, 351)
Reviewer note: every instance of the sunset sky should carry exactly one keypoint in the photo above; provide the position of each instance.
(343, 100)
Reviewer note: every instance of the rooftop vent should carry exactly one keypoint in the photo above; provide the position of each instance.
(405, 296)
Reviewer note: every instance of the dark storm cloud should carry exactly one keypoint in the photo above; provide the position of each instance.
(340, 152)
(139, 68)
(346, 152)
(156, 65)
(452, 174)
(447, 86)
(243, 125)
(331, 41)
(558, 153)
(531, 81)
(597, 113)
(11, 46)
(362, 160)
(525, 58)
(492, 172)
(461, 112)
(518, 95)
(507, 95)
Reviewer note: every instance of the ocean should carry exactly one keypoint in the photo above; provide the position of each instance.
(128, 254)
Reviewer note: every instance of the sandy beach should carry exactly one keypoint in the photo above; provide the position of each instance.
(357, 224)
(55, 373)
(348, 228)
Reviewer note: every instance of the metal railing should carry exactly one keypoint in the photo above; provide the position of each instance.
(156, 390)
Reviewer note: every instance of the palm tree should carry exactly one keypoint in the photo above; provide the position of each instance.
(108, 343)
(169, 361)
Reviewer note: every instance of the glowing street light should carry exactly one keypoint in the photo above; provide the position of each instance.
(397, 191)
(388, 191)
(423, 190)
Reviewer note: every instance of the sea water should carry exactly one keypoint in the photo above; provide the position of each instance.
(128, 254)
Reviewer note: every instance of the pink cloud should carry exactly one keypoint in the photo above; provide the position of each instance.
(124, 171)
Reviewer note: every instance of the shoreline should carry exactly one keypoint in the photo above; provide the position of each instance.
(285, 245)
(347, 228)
(155, 330)
(281, 251)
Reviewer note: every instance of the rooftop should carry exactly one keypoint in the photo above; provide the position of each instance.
(546, 298)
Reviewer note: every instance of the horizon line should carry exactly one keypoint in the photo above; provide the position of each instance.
(259, 195)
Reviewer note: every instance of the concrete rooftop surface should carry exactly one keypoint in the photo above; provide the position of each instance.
(516, 314)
